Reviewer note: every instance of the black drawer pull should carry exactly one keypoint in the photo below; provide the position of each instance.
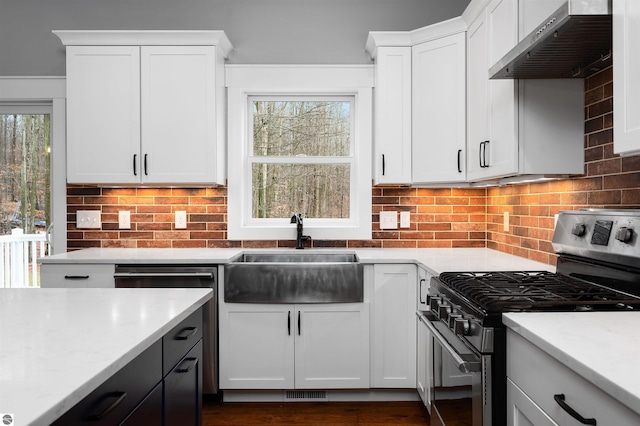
(192, 363)
(573, 413)
(299, 323)
(186, 333)
(76, 277)
(120, 396)
(289, 324)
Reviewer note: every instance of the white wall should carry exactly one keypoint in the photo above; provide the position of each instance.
(262, 31)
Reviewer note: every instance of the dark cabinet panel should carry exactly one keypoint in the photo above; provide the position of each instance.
(183, 390)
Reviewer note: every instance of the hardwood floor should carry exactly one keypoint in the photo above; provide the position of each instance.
(314, 413)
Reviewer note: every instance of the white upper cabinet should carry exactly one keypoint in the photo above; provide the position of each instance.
(517, 128)
(626, 69)
(103, 114)
(145, 107)
(439, 110)
(392, 115)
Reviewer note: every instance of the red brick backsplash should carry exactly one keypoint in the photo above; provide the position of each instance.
(444, 217)
(439, 218)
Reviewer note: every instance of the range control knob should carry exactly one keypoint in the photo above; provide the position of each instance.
(444, 311)
(452, 320)
(579, 229)
(624, 234)
(434, 302)
(461, 326)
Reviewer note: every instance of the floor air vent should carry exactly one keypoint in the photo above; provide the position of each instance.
(303, 396)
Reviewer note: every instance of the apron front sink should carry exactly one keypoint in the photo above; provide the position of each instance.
(293, 277)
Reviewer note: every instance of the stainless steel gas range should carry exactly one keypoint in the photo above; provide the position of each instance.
(598, 269)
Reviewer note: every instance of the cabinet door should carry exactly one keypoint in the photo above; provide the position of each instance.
(183, 390)
(392, 133)
(256, 346)
(332, 346)
(178, 114)
(103, 114)
(394, 326)
(522, 411)
(439, 110)
(626, 69)
(477, 95)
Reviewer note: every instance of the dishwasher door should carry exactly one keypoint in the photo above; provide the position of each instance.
(183, 276)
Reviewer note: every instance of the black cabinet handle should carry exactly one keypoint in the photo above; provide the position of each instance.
(483, 154)
(135, 169)
(192, 362)
(120, 396)
(76, 277)
(186, 333)
(289, 323)
(145, 165)
(298, 323)
(459, 165)
(383, 165)
(573, 413)
(422, 280)
(480, 154)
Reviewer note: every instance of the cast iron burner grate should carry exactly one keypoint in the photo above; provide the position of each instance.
(533, 290)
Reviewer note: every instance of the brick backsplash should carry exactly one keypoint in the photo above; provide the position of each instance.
(439, 218)
(444, 217)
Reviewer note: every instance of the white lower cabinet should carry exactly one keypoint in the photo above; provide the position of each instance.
(77, 275)
(393, 333)
(539, 385)
(323, 346)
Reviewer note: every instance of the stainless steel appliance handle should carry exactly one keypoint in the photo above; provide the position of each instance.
(163, 274)
(462, 364)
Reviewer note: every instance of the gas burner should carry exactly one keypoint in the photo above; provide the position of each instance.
(533, 291)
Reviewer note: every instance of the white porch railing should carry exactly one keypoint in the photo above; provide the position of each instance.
(18, 254)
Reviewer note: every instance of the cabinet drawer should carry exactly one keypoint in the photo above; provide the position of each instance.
(177, 342)
(110, 403)
(77, 275)
(540, 377)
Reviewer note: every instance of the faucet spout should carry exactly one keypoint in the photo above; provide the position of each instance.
(297, 219)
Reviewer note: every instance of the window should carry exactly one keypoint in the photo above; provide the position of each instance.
(299, 148)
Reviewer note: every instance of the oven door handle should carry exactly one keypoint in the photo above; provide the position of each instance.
(208, 275)
(464, 365)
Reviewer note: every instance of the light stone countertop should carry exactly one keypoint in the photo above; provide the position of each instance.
(436, 260)
(58, 345)
(602, 347)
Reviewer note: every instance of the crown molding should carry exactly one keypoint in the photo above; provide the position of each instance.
(145, 38)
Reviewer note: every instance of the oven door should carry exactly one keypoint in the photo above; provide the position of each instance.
(456, 394)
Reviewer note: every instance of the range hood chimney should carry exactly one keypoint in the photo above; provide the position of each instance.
(574, 42)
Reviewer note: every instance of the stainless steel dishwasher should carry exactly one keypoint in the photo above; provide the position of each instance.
(183, 276)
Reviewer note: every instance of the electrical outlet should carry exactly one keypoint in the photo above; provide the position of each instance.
(181, 219)
(405, 219)
(124, 219)
(505, 224)
(89, 219)
(388, 220)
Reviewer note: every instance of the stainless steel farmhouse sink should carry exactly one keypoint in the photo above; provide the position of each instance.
(293, 277)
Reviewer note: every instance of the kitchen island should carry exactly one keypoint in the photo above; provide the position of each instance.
(59, 345)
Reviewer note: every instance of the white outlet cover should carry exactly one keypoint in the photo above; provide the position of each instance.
(88, 219)
(124, 219)
(181, 219)
(388, 220)
(405, 219)
(505, 223)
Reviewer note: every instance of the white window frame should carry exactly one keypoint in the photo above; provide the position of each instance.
(247, 81)
(31, 94)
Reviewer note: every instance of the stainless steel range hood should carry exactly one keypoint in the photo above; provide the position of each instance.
(573, 42)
